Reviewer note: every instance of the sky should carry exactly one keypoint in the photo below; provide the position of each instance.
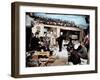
(78, 19)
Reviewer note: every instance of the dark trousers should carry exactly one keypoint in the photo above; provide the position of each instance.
(60, 46)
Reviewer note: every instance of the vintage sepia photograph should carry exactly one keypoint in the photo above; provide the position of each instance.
(54, 39)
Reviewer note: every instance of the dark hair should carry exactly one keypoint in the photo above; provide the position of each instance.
(79, 47)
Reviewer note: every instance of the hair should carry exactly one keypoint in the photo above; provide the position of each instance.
(79, 47)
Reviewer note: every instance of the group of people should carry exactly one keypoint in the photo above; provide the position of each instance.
(39, 43)
(76, 51)
(34, 42)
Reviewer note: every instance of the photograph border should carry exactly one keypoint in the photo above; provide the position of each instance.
(15, 32)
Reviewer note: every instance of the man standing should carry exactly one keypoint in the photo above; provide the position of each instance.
(60, 41)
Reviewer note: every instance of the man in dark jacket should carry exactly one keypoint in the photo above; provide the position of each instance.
(60, 41)
(74, 57)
